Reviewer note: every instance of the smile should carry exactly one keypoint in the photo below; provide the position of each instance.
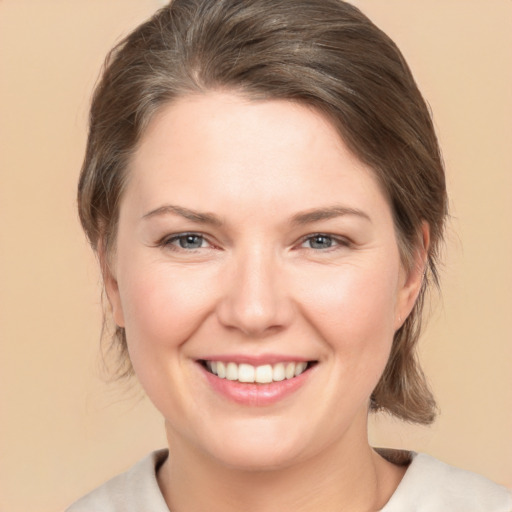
(263, 374)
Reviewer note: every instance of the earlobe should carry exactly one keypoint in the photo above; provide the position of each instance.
(413, 279)
(111, 286)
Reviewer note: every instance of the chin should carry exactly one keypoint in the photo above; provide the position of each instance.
(263, 446)
(256, 457)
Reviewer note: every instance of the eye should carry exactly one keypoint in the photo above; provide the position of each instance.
(186, 241)
(320, 241)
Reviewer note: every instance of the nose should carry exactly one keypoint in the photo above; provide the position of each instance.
(255, 299)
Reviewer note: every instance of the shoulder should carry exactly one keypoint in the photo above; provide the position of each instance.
(430, 485)
(136, 489)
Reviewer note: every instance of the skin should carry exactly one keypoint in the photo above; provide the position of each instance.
(259, 283)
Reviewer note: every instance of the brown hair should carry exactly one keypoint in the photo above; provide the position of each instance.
(322, 53)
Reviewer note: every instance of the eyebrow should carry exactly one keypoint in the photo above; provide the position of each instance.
(192, 215)
(299, 219)
(326, 214)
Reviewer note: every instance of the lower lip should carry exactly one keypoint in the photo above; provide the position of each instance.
(256, 394)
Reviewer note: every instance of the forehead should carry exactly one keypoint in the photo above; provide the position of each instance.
(219, 149)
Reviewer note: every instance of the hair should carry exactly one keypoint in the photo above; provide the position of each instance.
(324, 54)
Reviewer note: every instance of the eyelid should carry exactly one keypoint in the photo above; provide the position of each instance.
(341, 241)
(166, 241)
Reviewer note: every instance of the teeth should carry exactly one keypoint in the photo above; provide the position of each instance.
(246, 373)
(263, 374)
(232, 371)
(278, 373)
(221, 370)
(299, 368)
(289, 371)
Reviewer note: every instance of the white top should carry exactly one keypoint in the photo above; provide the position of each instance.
(429, 485)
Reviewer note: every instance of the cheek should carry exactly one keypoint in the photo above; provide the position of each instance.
(162, 307)
(353, 307)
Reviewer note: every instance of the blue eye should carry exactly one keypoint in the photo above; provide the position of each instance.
(187, 241)
(322, 241)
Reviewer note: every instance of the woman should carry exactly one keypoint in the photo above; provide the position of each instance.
(265, 192)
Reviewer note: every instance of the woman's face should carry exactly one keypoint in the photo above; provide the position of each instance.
(252, 242)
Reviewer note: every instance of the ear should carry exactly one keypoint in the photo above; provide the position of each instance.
(111, 286)
(412, 279)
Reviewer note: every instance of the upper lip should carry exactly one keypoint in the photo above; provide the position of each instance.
(256, 360)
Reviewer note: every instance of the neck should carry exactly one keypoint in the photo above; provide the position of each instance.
(349, 477)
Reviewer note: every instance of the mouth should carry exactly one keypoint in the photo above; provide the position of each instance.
(262, 374)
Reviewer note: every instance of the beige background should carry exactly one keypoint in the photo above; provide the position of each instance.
(62, 429)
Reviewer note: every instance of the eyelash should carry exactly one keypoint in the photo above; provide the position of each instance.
(338, 241)
(169, 242)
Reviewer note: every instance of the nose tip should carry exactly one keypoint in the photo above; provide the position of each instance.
(255, 300)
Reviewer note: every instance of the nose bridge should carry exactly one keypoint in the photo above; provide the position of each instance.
(256, 299)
